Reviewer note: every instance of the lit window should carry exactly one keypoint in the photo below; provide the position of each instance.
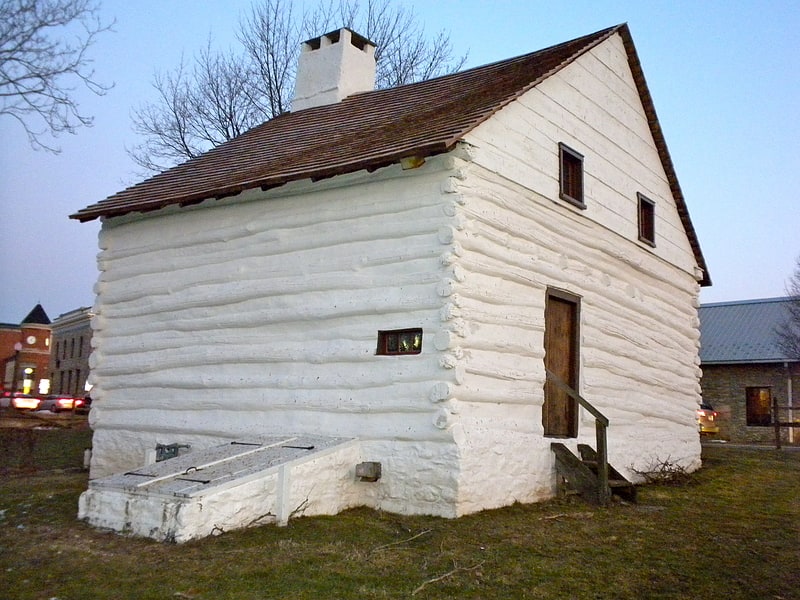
(400, 341)
(647, 220)
(759, 406)
(571, 176)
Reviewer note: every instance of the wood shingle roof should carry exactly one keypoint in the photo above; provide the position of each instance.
(372, 130)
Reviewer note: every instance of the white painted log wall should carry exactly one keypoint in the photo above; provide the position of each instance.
(639, 326)
(259, 315)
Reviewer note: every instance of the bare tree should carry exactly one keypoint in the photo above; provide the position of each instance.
(198, 107)
(44, 46)
(221, 95)
(789, 332)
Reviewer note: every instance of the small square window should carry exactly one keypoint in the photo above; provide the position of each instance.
(647, 220)
(571, 176)
(400, 341)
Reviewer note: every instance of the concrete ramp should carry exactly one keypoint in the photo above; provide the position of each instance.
(239, 484)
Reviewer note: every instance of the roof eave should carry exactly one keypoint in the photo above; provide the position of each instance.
(373, 164)
(749, 361)
(663, 151)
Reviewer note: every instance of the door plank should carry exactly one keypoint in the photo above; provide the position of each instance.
(559, 412)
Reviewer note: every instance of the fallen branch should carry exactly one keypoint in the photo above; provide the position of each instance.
(413, 537)
(259, 518)
(665, 472)
(446, 575)
(580, 515)
(300, 509)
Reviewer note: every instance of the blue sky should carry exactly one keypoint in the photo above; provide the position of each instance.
(724, 77)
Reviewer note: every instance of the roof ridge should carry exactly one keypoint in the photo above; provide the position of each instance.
(601, 35)
(774, 299)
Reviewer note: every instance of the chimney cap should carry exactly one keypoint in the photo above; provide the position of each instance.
(332, 67)
(358, 40)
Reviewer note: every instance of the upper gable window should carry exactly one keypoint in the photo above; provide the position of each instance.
(571, 176)
(647, 220)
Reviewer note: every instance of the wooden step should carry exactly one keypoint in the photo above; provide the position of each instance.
(619, 485)
(577, 475)
(580, 474)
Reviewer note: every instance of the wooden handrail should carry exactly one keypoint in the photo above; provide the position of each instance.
(601, 425)
(562, 385)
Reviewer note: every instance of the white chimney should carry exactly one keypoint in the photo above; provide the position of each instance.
(332, 67)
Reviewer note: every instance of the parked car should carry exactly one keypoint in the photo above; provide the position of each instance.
(19, 401)
(57, 403)
(707, 419)
(82, 405)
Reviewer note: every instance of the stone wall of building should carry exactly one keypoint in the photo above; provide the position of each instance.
(724, 387)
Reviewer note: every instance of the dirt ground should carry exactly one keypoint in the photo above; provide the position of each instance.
(14, 419)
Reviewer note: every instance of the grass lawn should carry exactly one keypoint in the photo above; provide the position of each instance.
(732, 532)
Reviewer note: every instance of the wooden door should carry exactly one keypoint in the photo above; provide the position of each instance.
(560, 411)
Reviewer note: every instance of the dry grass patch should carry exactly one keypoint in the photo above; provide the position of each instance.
(733, 533)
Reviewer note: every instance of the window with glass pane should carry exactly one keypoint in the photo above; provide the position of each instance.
(759, 406)
(570, 175)
(647, 220)
(400, 341)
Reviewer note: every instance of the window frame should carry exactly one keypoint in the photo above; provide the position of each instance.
(570, 164)
(385, 348)
(751, 413)
(646, 211)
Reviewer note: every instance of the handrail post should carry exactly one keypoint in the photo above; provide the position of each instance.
(603, 491)
(601, 425)
(777, 422)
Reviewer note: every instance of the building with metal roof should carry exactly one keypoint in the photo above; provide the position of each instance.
(742, 332)
(745, 371)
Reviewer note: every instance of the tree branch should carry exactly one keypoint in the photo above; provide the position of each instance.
(445, 576)
(38, 61)
(225, 94)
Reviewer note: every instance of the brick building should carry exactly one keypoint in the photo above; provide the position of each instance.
(744, 370)
(25, 353)
(71, 346)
